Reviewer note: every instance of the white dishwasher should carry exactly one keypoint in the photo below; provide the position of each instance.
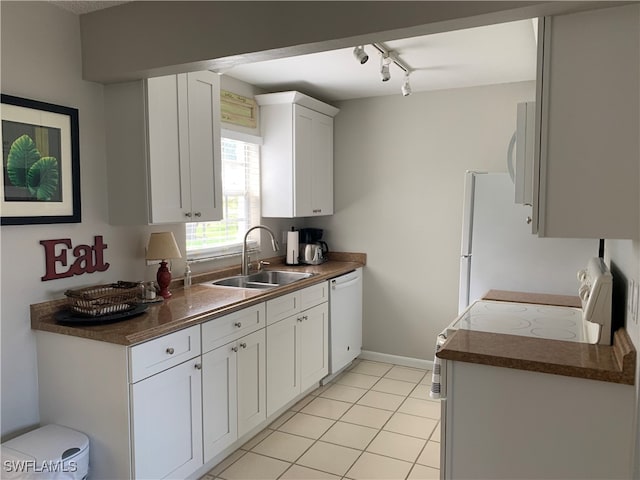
(345, 320)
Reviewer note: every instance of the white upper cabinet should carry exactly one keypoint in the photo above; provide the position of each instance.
(297, 155)
(163, 149)
(586, 171)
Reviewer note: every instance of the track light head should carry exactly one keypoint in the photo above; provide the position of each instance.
(406, 86)
(360, 54)
(385, 74)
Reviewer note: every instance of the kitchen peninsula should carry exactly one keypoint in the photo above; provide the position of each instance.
(523, 407)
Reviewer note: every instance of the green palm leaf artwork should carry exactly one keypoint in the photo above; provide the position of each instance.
(42, 178)
(22, 155)
(27, 169)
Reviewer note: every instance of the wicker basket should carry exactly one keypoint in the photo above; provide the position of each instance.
(103, 299)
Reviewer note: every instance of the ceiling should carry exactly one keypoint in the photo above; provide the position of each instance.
(494, 54)
(486, 55)
(80, 7)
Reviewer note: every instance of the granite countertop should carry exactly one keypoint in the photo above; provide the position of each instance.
(615, 363)
(191, 306)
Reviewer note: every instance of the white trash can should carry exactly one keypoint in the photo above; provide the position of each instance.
(51, 452)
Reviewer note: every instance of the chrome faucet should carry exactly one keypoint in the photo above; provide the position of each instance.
(245, 257)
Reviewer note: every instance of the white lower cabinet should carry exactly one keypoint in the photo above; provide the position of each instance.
(233, 381)
(172, 406)
(251, 371)
(219, 393)
(297, 355)
(166, 405)
(167, 422)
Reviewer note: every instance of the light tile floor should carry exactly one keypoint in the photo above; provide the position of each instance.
(375, 421)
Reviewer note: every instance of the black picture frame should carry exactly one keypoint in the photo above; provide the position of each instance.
(39, 187)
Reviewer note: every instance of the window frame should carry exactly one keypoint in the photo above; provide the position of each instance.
(235, 249)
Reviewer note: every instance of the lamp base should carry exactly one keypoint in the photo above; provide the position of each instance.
(164, 279)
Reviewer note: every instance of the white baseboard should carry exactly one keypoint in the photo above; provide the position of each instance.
(396, 360)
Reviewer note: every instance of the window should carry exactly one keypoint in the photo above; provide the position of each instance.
(240, 203)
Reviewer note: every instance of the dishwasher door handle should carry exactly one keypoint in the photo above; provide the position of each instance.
(337, 286)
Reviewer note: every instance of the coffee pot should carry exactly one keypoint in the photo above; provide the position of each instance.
(313, 251)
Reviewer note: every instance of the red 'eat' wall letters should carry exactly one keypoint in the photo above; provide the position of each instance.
(88, 258)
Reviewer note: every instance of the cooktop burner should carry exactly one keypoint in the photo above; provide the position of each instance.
(529, 320)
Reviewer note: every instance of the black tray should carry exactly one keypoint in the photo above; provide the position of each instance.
(74, 318)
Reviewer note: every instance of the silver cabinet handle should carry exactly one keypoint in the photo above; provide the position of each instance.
(188, 214)
(198, 366)
(299, 319)
(234, 349)
(238, 324)
(198, 214)
(243, 345)
(170, 350)
(528, 220)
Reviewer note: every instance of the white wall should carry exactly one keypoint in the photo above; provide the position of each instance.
(399, 182)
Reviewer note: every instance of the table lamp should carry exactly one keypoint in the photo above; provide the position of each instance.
(162, 246)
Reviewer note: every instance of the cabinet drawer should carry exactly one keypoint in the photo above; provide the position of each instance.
(226, 329)
(157, 355)
(314, 295)
(282, 307)
(292, 303)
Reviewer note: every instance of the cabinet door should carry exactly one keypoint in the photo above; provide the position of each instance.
(587, 113)
(313, 345)
(282, 360)
(322, 165)
(313, 153)
(167, 422)
(168, 154)
(252, 402)
(219, 399)
(204, 146)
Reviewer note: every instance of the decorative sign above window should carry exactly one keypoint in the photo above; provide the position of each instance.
(238, 110)
(88, 258)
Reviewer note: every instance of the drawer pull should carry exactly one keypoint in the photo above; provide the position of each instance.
(299, 319)
(198, 366)
(243, 345)
(170, 350)
(238, 324)
(234, 349)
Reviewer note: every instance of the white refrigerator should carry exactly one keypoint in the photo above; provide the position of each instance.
(499, 251)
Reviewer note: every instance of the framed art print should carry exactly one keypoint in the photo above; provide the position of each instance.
(40, 163)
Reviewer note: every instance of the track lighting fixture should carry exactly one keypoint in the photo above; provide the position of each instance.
(360, 54)
(385, 74)
(387, 57)
(406, 86)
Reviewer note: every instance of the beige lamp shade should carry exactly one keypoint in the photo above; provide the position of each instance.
(162, 246)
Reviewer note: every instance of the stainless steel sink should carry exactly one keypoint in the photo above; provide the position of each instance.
(264, 279)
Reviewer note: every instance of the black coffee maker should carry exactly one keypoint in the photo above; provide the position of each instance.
(313, 251)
